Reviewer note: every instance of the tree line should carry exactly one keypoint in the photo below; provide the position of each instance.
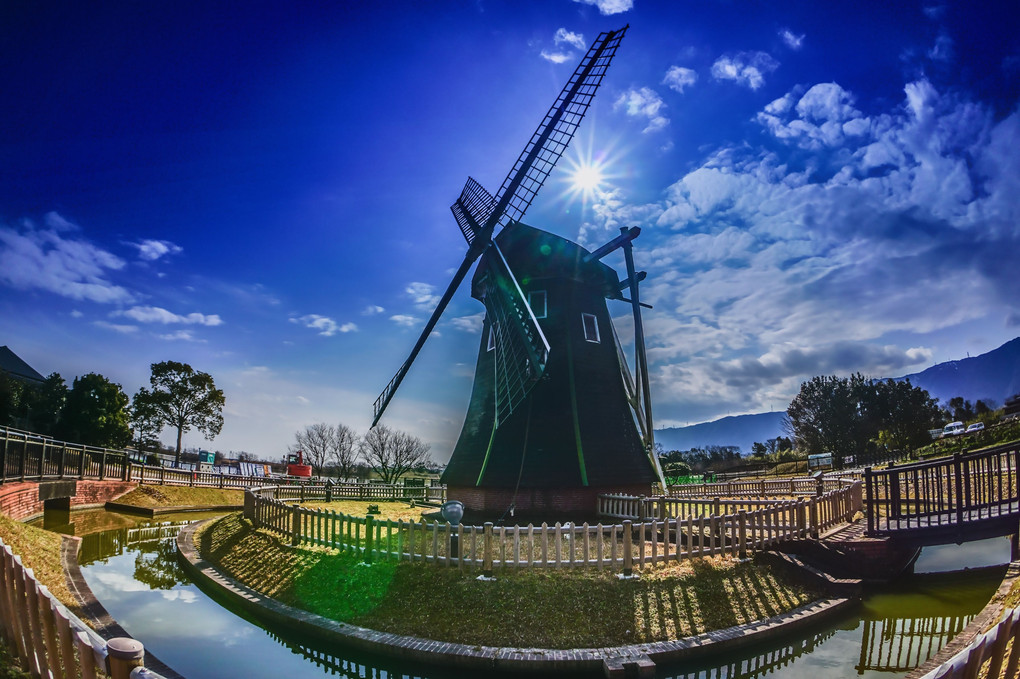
(337, 450)
(96, 412)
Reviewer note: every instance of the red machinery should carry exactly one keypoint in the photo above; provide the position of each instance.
(296, 465)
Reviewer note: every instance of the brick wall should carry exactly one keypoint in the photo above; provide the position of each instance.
(20, 501)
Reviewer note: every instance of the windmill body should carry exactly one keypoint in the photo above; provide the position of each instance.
(573, 436)
(549, 426)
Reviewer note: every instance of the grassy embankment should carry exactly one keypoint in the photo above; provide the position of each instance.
(549, 608)
(181, 496)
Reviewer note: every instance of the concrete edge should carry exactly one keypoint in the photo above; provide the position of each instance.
(152, 512)
(95, 613)
(988, 617)
(489, 657)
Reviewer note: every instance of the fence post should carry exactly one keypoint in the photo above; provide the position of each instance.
(63, 458)
(487, 550)
(813, 515)
(801, 518)
(628, 548)
(329, 491)
(742, 534)
(295, 525)
(124, 654)
(369, 537)
(869, 499)
(102, 466)
(958, 474)
(642, 512)
(3, 458)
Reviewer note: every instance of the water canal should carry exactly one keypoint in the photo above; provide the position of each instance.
(131, 566)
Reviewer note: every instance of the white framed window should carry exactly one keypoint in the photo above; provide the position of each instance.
(538, 304)
(491, 344)
(591, 327)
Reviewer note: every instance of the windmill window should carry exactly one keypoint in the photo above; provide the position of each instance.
(491, 344)
(591, 327)
(537, 302)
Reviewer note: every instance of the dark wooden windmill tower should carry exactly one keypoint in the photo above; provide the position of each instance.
(555, 417)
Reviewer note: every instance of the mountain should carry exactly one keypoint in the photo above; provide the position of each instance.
(991, 377)
(737, 430)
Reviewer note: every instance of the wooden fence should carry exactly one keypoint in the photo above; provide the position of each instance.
(948, 492)
(49, 639)
(994, 654)
(30, 457)
(839, 504)
(625, 545)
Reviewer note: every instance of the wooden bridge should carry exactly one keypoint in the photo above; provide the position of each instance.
(969, 496)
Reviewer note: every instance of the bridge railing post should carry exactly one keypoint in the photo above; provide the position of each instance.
(958, 486)
(869, 498)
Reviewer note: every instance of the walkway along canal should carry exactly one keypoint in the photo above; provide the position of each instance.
(131, 567)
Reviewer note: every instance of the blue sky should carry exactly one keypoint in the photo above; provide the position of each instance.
(264, 192)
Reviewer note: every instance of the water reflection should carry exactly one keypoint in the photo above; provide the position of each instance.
(131, 565)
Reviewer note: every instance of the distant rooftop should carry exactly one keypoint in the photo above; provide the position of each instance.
(12, 364)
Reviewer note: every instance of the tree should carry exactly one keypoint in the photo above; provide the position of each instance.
(328, 446)
(145, 421)
(46, 403)
(95, 413)
(185, 399)
(393, 453)
(841, 416)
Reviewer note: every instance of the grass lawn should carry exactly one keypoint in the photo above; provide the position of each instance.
(554, 608)
(39, 550)
(394, 511)
(181, 496)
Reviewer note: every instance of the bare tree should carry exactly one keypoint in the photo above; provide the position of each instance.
(344, 454)
(325, 445)
(393, 453)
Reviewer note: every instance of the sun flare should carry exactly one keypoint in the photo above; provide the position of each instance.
(587, 178)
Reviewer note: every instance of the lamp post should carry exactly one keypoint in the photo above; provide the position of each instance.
(453, 512)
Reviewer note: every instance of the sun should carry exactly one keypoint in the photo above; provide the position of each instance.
(587, 178)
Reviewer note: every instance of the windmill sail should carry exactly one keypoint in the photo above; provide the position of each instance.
(478, 214)
(521, 348)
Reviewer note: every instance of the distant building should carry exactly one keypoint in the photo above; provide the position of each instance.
(12, 366)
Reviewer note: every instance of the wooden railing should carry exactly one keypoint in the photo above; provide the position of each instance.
(835, 501)
(30, 457)
(991, 655)
(623, 545)
(50, 640)
(945, 493)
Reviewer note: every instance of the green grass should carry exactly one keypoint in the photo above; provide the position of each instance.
(181, 496)
(553, 608)
(394, 511)
(39, 550)
(10, 666)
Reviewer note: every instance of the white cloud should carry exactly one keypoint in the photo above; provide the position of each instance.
(472, 324)
(792, 40)
(555, 57)
(678, 77)
(609, 7)
(151, 250)
(565, 37)
(154, 314)
(744, 68)
(50, 259)
(372, 310)
(943, 48)
(180, 335)
(422, 295)
(122, 329)
(326, 326)
(644, 103)
(404, 320)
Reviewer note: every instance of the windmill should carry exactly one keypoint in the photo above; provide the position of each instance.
(549, 424)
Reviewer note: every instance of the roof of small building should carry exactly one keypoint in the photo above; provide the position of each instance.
(12, 364)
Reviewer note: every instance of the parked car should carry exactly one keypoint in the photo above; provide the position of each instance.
(977, 426)
(953, 429)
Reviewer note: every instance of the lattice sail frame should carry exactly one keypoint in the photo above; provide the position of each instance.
(521, 347)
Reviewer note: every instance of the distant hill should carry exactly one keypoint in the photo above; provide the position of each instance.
(991, 377)
(994, 376)
(737, 430)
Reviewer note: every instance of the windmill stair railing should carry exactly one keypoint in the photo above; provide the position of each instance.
(964, 497)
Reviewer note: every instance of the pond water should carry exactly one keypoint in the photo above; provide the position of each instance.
(131, 566)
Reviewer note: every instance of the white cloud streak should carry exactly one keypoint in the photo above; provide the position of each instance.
(678, 78)
(153, 314)
(644, 103)
(744, 68)
(326, 326)
(609, 7)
